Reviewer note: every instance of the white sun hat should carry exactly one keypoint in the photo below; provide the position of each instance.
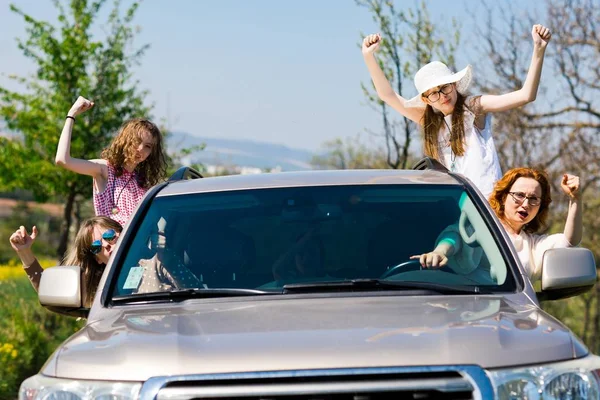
(436, 74)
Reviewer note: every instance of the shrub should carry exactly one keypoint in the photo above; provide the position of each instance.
(28, 333)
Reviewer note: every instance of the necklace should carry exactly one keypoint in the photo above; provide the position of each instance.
(449, 144)
(115, 210)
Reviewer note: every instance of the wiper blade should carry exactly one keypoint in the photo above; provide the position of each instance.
(184, 294)
(380, 284)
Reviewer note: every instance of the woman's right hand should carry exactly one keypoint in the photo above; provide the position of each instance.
(21, 240)
(81, 104)
(371, 43)
(431, 259)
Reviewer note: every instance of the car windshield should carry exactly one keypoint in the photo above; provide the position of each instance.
(266, 239)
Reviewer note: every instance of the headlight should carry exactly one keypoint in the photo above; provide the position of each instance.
(40, 387)
(577, 379)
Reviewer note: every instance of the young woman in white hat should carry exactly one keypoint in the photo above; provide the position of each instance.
(457, 128)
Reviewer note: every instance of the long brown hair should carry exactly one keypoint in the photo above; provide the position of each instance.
(123, 147)
(80, 255)
(502, 187)
(432, 122)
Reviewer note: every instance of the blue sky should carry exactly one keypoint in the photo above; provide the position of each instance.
(280, 71)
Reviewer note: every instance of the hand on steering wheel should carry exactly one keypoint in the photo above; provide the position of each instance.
(396, 269)
(431, 260)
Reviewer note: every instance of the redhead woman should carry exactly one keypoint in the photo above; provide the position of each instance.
(521, 201)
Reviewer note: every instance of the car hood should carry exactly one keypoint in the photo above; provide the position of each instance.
(136, 342)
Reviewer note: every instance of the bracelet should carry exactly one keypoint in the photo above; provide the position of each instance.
(73, 118)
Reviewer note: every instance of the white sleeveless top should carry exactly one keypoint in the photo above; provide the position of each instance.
(480, 162)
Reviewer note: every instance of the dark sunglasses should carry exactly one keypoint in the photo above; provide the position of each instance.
(108, 236)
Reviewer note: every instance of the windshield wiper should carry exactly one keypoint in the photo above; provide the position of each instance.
(354, 285)
(184, 294)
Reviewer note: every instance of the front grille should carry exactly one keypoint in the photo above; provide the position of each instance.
(345, 384)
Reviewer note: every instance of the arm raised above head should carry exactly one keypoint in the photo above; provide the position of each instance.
(528, 93)
(63, 152)
(383, 87)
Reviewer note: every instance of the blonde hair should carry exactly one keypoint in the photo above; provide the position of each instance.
(123, 148)
(80, 254)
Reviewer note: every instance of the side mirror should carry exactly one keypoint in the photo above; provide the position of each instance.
(60, 290)
(566, 273)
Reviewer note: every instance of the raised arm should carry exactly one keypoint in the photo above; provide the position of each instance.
(574, 224)
(491, 103)
(21, 243)
(63, 152)
(384, 90)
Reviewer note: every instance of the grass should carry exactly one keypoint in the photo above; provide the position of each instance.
(14, 269)
(28, 332)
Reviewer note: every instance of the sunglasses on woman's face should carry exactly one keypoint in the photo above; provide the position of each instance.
(108, 236)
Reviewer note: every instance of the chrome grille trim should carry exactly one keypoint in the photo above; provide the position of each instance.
(274, 389)
(264, 383)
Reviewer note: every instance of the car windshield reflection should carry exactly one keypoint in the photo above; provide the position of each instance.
(265, 239)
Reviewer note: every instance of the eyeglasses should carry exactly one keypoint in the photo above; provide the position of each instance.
(435, 96)
(520, 197)
(108, 236)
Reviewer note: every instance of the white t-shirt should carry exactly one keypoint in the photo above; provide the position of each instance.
(531, 248)
(480, 162)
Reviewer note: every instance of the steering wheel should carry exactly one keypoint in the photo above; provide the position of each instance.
(410, 265)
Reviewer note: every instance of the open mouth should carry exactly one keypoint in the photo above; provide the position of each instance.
(523, 214)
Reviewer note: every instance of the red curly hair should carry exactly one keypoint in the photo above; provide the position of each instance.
(502, 187)
(123, 148)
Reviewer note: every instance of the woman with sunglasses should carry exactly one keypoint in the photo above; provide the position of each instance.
(521, 201)
(456, 127)
(92, 249)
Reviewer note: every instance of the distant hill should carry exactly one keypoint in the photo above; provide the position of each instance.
(238, 152)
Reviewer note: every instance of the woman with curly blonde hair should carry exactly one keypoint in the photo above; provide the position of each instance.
(134, 162)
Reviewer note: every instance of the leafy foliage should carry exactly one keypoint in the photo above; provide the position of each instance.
(70, 62)
(28, 334)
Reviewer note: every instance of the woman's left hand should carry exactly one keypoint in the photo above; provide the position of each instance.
(541, 35)
(570, 185)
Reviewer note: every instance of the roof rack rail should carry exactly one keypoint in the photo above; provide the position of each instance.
(430, 163)
(184, 173)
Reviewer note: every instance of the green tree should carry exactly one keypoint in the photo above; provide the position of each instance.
(26, 215)
(69, 62)
(410, 40)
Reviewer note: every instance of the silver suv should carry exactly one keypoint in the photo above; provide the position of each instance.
(301, 286)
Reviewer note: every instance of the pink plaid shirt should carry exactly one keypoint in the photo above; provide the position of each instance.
(120, 198)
